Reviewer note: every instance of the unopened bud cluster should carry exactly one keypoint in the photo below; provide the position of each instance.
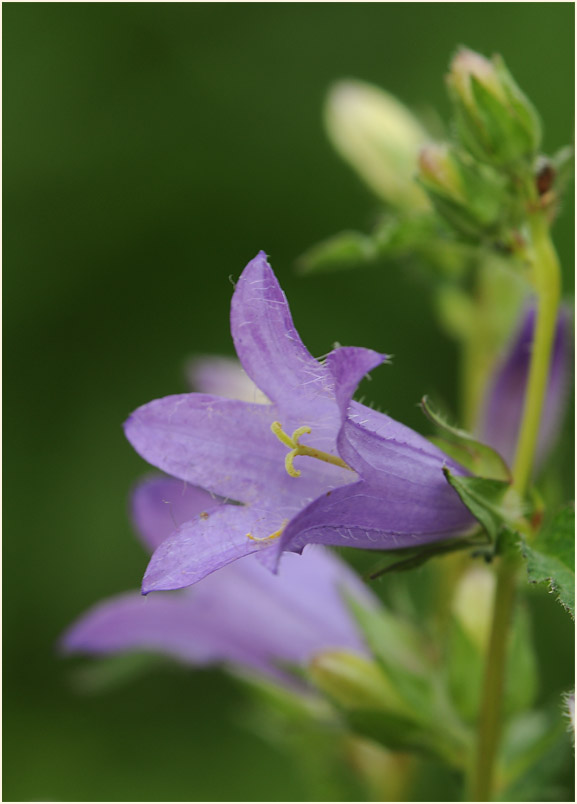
(496, 123)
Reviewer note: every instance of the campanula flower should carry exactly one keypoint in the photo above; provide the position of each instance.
(368, 481)
(502, 410)
(243, 616)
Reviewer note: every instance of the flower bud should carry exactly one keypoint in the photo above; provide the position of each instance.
(502, 406)
(471, 197)
(496, 122)
(473, 604)
(380, 138)
(353, 681)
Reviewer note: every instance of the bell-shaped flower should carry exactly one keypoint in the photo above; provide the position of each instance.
(243, 616)
(369, 482)
(502, 409)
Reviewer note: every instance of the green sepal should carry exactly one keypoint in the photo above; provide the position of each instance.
(527, 115)
(478, 458)
(552, 559)
(493, 503)
(412, 557)
(510, 135)
(341, 252)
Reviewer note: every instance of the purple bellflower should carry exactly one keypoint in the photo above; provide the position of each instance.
(243, 616)
(373, 483)
(502, 410)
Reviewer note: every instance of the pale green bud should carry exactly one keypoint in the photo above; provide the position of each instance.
(380, 138)
(353, 681)
(496, 121)
(473, 605)
(471, 197)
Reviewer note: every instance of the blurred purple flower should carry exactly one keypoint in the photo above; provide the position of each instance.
(502, 410)
(243, 615)
(377, 485)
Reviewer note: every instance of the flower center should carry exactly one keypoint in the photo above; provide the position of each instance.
(296, 448)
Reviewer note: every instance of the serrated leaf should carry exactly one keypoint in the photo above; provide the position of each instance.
(552, 560)
(479, 458)
(492, 502)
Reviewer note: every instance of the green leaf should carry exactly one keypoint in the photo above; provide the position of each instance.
(493, 503)
(466, 666)
(340, 252)
(393, 640)
(534, 749)
(398, 733)
(552, 560)
(480, 459)
(522, 680)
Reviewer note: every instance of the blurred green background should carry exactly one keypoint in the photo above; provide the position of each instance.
(150, 151)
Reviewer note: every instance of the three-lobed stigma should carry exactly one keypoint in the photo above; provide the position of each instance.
(296, 448)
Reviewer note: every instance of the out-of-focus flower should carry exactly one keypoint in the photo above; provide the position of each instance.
(380, 138)
(223, 376)
(376, 484)
(502, 410)
(242, 616)
(473, 604)
(496, 122)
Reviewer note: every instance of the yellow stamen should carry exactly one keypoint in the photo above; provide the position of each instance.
(296, 448)
(272, 536)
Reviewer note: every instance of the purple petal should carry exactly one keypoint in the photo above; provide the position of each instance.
(227, 447)
(161, 624)
(222, 445)
(387, 516)
(162, 504)
(373, 444)
(242, 615)
(347, 367)
(223, 376)
(268, 345)
(206, 544)
(502, 412)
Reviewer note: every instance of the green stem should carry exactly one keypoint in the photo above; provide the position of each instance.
(546, 280)
(493, 684)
